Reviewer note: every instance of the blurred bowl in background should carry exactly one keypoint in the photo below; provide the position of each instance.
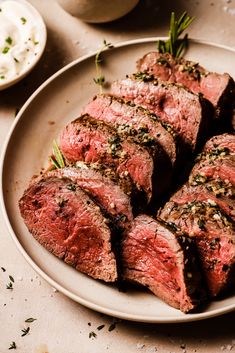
(98, 11)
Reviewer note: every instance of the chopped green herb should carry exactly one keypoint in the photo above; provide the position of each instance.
(9, 285)
(2, 77)
(143, 76)
(173, 45)
(3, 269)
(30, 319)
(9, 40)
(16, 60)
(35, 43)
(25, 331)
(100, 327)
(71, 187)
(11, 279)
(112, 327)
(12, 345)
(100, 79)
(92, 334)
(23, 20)
(5, 50)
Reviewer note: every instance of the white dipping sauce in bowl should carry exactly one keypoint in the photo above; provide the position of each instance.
(22, 40)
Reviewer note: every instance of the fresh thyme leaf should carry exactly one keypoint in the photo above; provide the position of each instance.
(9, 40)
(59, 159)
(92, 334)
(25, 331)
(23, 20)
(5, 50)
(112, 327)
(12, 345)
(100, 79)
(100, 327)
(30, 319)
(9, 285)
(11, 279)
(3, 269)
(174, 45)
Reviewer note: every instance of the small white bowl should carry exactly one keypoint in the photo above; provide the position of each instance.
(40, 29)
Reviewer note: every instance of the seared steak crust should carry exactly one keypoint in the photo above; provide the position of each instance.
(155, 256)
(217, 88)
(135, 121)
(107, 194)
(213, 234)
(70, 225)
(189, 114)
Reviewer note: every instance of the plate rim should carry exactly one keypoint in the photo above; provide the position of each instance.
(36, 268)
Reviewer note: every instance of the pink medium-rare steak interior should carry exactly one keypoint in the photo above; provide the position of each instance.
(91, 141)
(103, 190)
(217, 88)
(213, 234)
(70, 225)
(138, 122)
(188, 113)
(156, 257)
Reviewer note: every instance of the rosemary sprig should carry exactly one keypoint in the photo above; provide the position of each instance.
(57, 159)
(174, 45)
(100, 79)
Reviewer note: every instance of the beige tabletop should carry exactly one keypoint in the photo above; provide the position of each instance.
(61, 325)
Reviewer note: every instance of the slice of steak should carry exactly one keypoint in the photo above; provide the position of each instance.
(217, 88)
(213, 234)
(135, 121)
(162, 260)
(69, 225)
(219, 166)
(215, 192)
(189, 114)
(107, 194)
(221, 143)
(89, 140)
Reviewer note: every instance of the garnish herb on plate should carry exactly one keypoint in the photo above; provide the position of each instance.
(175, 45)
(12, 345)
(57, 158)
(30, 319)
(100, 79)
(25, 331)
(92, 334)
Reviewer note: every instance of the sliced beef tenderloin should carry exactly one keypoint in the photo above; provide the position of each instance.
(217, 88)
(164, 261)
(107, 194)
(215, 192)
(189, 114)
(89, 140)
(221, 144)
(70, 225)
(134, 120)
(214, 235)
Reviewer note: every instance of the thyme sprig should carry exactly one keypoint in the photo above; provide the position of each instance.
(57, 158)
(12, 345)
(174, 45)
(100, 78)
(25, 331)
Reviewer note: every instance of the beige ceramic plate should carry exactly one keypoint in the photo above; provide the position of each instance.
(56, 102)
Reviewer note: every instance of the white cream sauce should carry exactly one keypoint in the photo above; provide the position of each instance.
(20, 38)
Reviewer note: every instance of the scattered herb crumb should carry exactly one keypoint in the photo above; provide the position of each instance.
(3, 269)
(30, 319)
(9, 285)
(23, 20)
(5, 50)
(16, 60)
(11, 279)
(12, 345)
(9, 40)
(89, 324)
(25, 331)
(112, 327)
(100, 327)
(2, 77)
(92, 334)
